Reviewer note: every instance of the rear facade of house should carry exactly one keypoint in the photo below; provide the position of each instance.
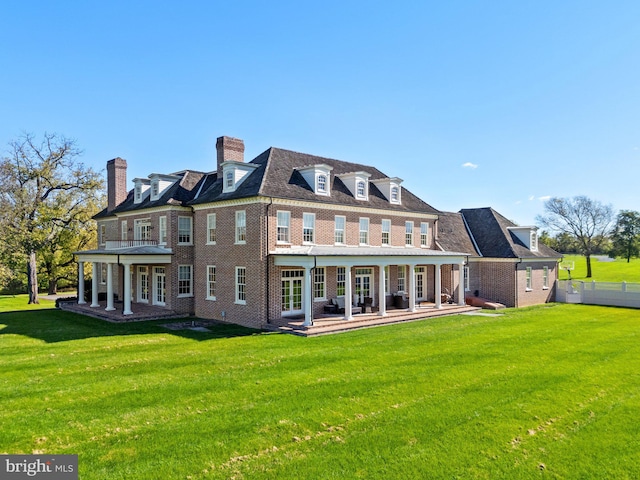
(278, 237)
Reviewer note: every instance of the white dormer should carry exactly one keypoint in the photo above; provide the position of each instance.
(140, 189)
(234, 173)
(357, 183)
(390, 188)
(159, 183)
(318, 177)
(527, 235)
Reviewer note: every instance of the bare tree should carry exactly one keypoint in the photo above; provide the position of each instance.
(42, 187)
(587, 220)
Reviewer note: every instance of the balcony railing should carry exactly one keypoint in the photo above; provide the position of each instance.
(115, 244)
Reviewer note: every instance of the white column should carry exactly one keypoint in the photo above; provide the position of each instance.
(94, 286)
(308, 297)
(438, 286)
(461, 292)
(348, 297)
(81, 283)
(110, 306)
(411, 290)
(382, 298)
(127, 290)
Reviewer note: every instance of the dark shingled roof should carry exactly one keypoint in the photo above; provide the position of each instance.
(277, 177)
(453, 235)
(180, 193)
(490, 232)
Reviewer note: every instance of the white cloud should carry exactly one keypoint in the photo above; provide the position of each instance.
(544, 198)
(532, 197)
(469, 165)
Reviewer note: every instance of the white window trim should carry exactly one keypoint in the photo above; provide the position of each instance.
(313, 228)
(190, 242)
(162, 230)
(243, 214)
(407, 233)
(239, 301)
(424, 236)
(190, 294)
(208, 282)
(210, 224)
(385, 220)
(360, 231)
(343, 230)
(323, 282)
(288, 227)
(545, 278)
(528, 279)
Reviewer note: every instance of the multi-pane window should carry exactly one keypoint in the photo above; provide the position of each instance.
(424, 234)
(387, 284)
(339, 229)
(322, 183)
(155, 189)
(103, 273)
(533, 239)
(361, 191)
(211, 282)
(123, 230)
(401, 278)
(142, 229)
(103, 234)
(185, 280)
(341, 280)
(241, 285)
(545, 277)
(386, 232)
(528, 277)
(308, 227)
(283, 226)
(466, 278)
(318, 284)
(241, 226)
(395, 195)
(138, 193)
(211, 228)
(408, 233)
(229, 180)
(162, 230)
(184, 230)
(364, 231)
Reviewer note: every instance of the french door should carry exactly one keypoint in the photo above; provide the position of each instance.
(143, 285)
(364, 280)
(159, 286)
(421, 283)
(292, 292)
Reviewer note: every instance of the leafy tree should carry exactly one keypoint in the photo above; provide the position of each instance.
(43, 189)
(587, 221)
(625, 237)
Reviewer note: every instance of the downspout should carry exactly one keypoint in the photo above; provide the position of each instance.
(517, 297)
(266, 286)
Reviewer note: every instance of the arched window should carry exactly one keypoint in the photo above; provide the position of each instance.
(360, 189)
(395, 194)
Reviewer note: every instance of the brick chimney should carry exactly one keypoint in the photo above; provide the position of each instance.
(229, 150)
(116, 182)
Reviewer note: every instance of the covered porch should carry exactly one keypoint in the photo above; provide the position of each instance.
(366, 263)
(116, 254)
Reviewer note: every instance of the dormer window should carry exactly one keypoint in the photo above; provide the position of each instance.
(234, 173)
(318, 177)
(322, 183)
(160, 183)
(140, 190)
(527, 235)
(390, 188)
(357, 183)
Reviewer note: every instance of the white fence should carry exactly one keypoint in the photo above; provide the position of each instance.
(621, 294)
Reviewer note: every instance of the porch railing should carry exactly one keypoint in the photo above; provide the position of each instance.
(115, 244)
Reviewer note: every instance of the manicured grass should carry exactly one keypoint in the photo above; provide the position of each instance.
(617, 270)
(550, 391)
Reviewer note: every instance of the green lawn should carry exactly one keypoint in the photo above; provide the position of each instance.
(545, 392)
(617, 270)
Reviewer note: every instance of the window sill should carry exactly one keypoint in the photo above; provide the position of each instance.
(180, 244)
(240, 302)
(528, 289)
(545, 288)
(185, 295)
(210, 243)
(211, 298)
(243, 242)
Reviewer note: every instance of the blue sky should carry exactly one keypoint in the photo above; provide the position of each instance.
(472, 103)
